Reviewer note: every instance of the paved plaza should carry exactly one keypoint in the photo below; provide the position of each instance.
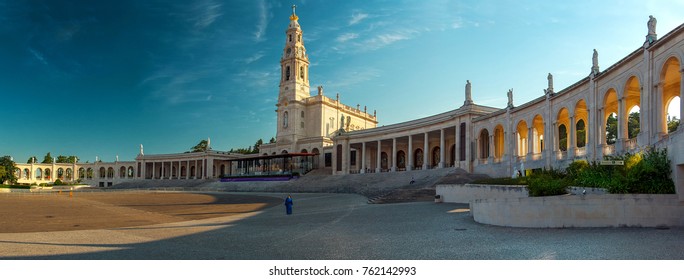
(323, 226)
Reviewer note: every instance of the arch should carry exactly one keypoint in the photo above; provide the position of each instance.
(69, 174)
(672, 119)
(499, 144)
(27, 173)
(522, 138)
(89, 173)
(183, 171)
(609, 134)
(48, 173)
(102, 172)
(18, 173)
(131, 172)
(223, 169)
(315, 151)
(452, 154)
(435, 156)
(562, 122)
(633, 100)
(418, 158)
(483, 144)
(401, 159)
(304, 151)
(122, 172)
(39, 173)
(287, 73)
(670, 87)
(580, 129)
(537, 134)
(383, 161)
(81, 173)
(110, 172)
(563, 138)
(192, 171)
(581, 117)
(60, 173)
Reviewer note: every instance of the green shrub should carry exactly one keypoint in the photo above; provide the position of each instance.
(546, 184)
(651, 174)
(58, 182)
(502, 181)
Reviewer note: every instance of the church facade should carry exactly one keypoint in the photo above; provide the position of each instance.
(550, 131)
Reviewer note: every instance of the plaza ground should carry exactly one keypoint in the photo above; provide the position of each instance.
(325, 226)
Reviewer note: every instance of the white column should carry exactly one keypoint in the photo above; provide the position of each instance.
(530, 142)
(441, 148)
(492, 147)
(378, 160)
(210, 164)
(409, 164)
(572, 145)
(187, 169)
(345, 156)
(154, 170)
(457, 145)
(468, 147)
(394, 154)
(363, 157)
(681, 96)
(426, 153)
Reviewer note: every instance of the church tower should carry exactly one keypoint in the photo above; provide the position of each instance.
(294, 85)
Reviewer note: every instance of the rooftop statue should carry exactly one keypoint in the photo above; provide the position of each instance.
(468, 93)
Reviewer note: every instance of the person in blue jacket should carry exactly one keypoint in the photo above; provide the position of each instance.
(288, 204)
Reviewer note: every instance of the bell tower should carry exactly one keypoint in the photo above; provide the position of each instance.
(294, 84)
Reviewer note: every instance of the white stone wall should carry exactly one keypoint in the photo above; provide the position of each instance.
(468, 192)
(610, 210)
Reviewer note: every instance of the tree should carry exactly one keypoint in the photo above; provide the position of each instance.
(633, 126)
(611, 130)
(257, 145)
(66, 159)
(202, 146)
(272, 140)
(48, 158)
(32, 159)
(672, 124)
(7, 170)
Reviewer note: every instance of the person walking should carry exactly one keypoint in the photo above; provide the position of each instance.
(288, 204)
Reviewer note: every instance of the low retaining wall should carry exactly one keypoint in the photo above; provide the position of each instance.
(608, 210)
(466, 193)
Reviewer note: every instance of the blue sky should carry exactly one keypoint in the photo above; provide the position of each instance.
(99, 78)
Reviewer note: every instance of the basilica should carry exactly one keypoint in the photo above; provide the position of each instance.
(320, 132)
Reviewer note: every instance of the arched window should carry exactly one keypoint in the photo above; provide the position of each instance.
(110, 172)
(69, 174)
(39, 174)
(484, 144)
(581, 134)
(60, 174)
(562, 138)
(102, 172)
(130, 172)
(418, 158)
(122, 172)
(401, 159)
(435, 156)
(301, 72)
(287, 73)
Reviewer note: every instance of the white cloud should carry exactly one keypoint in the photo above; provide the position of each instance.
(254, 57)
(264, 18)
(357, 17)
(208, 13)
(38, 56)
(346, 37)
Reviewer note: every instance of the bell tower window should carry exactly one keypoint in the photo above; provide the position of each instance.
(301, 72)
(290, 38)
(287, 73)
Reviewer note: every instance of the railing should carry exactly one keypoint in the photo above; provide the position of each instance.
(580, 152)
(536, 156)
(608, 149)
(631, 144)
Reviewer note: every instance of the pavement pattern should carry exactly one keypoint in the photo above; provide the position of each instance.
(328, 226)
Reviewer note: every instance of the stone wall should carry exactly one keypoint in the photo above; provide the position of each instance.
(609, 210)
(466, 193)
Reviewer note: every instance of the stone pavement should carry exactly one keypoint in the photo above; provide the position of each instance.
(344, 226)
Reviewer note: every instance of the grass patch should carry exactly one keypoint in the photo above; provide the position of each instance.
(14, 187)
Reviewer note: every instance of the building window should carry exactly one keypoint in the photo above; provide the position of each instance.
(301, 124)
(287, 73)
(328, 159)
(301, 72)
(285, 117)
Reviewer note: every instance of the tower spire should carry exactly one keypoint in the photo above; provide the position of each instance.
(294, 14)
